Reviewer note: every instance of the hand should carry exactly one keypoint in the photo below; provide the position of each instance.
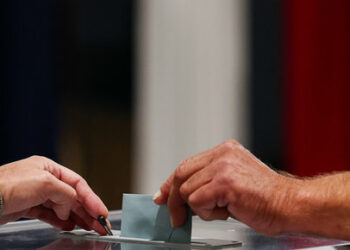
(40, 188)
(228, 181)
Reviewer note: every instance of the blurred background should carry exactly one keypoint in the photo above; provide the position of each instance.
(122, 91)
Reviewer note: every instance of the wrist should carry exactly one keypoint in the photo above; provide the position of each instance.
(280, 204)
(312, 207)
(321, 207)
(291, 202)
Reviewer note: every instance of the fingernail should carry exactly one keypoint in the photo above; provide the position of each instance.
(171, 222)
(157, 195)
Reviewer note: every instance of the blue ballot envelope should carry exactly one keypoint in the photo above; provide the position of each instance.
(142, 218)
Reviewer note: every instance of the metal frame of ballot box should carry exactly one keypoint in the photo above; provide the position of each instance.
(33, 234)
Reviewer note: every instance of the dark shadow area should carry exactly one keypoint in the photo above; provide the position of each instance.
(266, 81)
(66, 88)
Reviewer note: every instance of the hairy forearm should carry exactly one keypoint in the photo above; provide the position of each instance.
(319, 206)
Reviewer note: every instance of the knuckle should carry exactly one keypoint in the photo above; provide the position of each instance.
(36, 157)
(224, 162)
(184, 191)
(179, 173)
(225, 166)
(83, 182)
(194, 202)
(229, 145)
(43, 158)
(224, 180)
(39, 159)
(47, 182)
(184, 163)
(46, 178)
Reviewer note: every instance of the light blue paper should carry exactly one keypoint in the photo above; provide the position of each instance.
(130, 246)
(142, 218)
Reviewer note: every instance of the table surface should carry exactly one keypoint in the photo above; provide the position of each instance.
(33, 234)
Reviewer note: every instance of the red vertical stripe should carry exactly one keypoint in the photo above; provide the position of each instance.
(317, 80)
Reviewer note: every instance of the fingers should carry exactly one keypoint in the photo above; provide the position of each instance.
(11, 217)
(186, 168)
(170, 193)
(86, 206)
(170, 190)
(92, 203)
(59, 192)
(217, 213)
(85, 220)
(62, 196)
(197, 180)
(203, 198)
(209, 196)
(74, 215)
(176, 205)
(79, 221)
(207, 202)
(81, 218)
(47, 215)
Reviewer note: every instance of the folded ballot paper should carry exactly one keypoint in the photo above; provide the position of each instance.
(145, 223)
(142, 218)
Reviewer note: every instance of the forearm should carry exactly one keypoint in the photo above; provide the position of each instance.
(319, 206)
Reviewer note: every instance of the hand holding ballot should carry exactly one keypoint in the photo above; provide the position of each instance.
(40, 188)
(229, 181)
(226, 181)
